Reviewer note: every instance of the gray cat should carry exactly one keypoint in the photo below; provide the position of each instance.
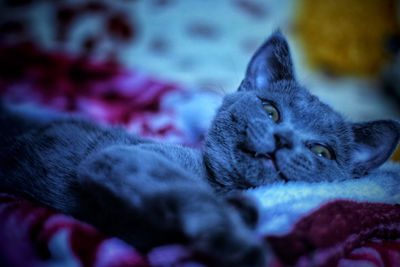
(149, 193)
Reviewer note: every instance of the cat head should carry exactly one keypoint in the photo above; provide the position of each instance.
(273, 129)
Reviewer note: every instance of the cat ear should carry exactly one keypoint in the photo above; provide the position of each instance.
(375, 143)
(271, 62)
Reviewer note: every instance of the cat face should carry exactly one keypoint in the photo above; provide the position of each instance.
(273, 129)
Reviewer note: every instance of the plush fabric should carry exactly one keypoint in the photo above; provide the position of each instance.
(323, 223)
(344, 224)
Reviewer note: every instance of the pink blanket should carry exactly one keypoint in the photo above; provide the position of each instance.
(353, 223)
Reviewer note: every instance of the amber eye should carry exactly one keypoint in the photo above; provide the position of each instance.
(272, 111)
(321, 151)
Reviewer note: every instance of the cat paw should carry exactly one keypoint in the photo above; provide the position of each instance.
(245, 206)
(219, 234)
(214, 230)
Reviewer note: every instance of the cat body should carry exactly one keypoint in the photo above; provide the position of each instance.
(148, 193)
(144, 192)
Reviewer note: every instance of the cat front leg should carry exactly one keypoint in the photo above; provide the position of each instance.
(146, 200)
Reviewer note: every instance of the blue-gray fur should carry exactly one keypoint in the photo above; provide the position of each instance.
(149, 193)
(241, 130)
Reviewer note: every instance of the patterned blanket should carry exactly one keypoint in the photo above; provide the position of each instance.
(346, 224)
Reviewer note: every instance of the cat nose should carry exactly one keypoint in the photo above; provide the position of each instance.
(283, 140)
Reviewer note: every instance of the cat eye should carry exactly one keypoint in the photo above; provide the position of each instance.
(272, 111)
(322, 151)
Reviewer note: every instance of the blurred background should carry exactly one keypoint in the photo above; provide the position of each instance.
(346, 52)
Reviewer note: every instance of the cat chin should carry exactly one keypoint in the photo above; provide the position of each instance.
(262, 168)
(263, 177)
(257, 170)
(270, 163)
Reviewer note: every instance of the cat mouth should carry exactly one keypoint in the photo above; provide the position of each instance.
(268, 160)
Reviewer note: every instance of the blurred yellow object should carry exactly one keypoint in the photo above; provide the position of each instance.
(396, 155)
(346, 37)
